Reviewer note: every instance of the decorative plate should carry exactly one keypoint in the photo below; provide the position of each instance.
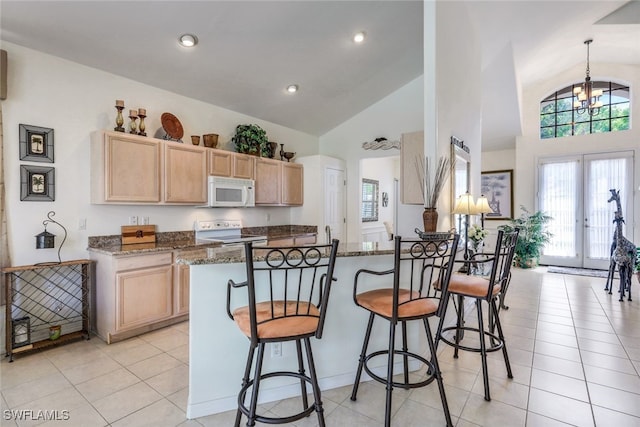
(172, 126)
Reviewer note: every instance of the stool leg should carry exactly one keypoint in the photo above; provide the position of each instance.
(437, 373)
(256, 385)
(405, 349)
(483, 350)
(363, 354)
(392, 342)
(245, 380)
(314, 383)
(459, 323)
(501, 336)
(441, 322)
(303, 383)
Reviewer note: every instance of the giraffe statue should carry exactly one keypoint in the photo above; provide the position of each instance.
(623, 252)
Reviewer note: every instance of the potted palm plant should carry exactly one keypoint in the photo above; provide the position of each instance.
(637, 267)
(251, 139)
(534, 234)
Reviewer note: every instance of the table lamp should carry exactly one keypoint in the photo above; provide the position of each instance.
(465, 206)
(482, 207)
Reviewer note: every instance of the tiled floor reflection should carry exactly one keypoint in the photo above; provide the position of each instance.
(575, 354)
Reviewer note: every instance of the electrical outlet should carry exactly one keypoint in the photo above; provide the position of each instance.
(82, 224)
(145, 220)
(133, 220)
(276, 349)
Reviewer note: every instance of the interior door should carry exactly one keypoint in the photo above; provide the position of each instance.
(575, 192)
(334, 206)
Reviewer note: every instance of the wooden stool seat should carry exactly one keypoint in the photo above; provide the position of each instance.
(410, 305)
(278, 321)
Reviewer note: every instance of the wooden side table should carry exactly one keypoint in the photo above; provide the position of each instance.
(47, 305)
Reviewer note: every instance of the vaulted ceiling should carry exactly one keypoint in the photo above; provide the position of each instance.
(249, 51)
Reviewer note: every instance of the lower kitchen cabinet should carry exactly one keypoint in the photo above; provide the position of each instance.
(135, 294)
(307, 239)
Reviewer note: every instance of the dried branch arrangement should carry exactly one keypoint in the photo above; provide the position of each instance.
(433, 188)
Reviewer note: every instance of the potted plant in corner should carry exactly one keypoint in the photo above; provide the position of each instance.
(534, 234)
(637, 268)
(251, 139)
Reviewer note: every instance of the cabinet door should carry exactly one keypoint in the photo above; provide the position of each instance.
(131, 169)
(185, 174)
(292, 184)
(305, 240)
(268, 182)
(181, 290)
(220, 162)
(143, 296)
(287, 241)
(243, 166)
(411, 151)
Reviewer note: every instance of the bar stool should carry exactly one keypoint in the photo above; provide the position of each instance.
(487, 289)
(287, 301)
(417, 264)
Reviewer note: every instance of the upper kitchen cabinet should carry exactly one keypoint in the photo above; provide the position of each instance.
(229, 164)
(125, 168)
(278, 183)
(411, 152)
(185, 174)
(292, 184)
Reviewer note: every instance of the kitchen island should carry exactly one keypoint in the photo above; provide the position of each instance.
(218, 351)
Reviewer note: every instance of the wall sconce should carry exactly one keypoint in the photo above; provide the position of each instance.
(46, 240)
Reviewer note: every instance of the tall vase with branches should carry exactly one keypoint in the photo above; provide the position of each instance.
(431, 183)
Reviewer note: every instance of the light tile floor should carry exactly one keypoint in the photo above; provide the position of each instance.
(575, 354)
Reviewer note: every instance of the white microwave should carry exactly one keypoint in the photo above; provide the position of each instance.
(230, 192)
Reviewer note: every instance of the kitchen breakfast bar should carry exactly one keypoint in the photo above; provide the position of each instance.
(217, 349)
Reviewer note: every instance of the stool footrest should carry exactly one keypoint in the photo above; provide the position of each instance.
(407, 385)
(271, 420)
(497, 343)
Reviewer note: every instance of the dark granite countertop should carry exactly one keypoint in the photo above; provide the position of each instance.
(235, 254)
(185, 240)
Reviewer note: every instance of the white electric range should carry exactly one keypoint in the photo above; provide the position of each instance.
(225, 231)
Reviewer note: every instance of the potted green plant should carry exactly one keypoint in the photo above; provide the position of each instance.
(637, 267)
(534, 234)
(251, 139)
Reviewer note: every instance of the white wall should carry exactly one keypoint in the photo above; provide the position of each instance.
(529, 147)
(75, 100)
(398, 113)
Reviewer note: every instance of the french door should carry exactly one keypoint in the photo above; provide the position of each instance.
(574, 190)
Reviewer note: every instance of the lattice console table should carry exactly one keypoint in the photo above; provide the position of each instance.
(47, 305)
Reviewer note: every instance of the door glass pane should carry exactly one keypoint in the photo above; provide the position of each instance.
(603, 175)
(558, 196)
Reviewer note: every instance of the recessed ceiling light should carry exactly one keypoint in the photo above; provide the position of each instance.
(359, 37)
(188, 40)
(292, 88)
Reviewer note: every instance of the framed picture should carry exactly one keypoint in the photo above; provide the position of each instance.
(37, 183)
(36, 143)
(497, 186)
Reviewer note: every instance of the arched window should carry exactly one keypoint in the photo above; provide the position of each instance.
(559, 118)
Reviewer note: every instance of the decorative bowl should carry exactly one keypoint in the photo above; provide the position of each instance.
(289, 155)
(432, 235)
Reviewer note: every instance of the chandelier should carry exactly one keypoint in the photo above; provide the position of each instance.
(587, 98)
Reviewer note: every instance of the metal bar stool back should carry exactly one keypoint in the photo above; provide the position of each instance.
(287, 293)
(489, 289)
(407, 296)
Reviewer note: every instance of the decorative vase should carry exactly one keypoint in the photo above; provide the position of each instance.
(210, 140)
(430, 219)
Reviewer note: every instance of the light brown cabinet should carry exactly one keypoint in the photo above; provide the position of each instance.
(135, 294)
(278, 183)
(308, 239)
(229, 164)
(185, 174)
(125, 168)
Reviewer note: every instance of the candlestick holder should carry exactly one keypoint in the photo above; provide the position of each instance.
(119, 119)
(142, 126)
(132, 125)
(282, 152)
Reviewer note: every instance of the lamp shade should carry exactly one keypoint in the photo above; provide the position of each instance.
(482, 206)
(465, 205)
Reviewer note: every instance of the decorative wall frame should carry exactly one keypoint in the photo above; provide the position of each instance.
(497, 186)
(37, 183)
(36, 143)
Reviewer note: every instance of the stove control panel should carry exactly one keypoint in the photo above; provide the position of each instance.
(218, 225)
